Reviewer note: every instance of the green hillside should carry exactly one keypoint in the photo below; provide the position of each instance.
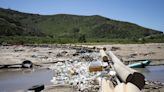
(70, 27)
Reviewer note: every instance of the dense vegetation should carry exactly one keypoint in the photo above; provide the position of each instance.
(18, 27)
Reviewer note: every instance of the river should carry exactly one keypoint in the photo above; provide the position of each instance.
(155, 73)
(18, 80)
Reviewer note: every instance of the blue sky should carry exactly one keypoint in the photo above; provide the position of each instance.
(147, 13)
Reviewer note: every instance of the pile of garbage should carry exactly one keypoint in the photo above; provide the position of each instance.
(77, 74)
(153, 84)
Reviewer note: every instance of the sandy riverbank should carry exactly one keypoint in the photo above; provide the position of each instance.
(17, 54)
(126, 52)
(130, 52)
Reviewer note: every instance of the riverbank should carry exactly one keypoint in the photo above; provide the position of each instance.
(129, 53)
(46, 55)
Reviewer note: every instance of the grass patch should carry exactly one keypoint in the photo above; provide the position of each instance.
(89, 41)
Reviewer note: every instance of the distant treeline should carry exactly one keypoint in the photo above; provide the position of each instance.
(21, 27)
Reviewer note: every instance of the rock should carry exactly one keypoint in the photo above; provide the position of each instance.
(84, 50)
(87, 58)
(59, 55)
(42, 57)
(19, 50)
(34, 56)
(146, 53)
(132, 55)
(89, 50)
(64, 52)
(81, 51)
(159, 47)
(75, 54)
(115, 48)
(49, 52)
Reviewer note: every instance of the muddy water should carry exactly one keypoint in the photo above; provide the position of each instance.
(19, 80)
(155, 73)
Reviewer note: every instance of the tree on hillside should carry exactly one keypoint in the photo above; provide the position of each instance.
(82, 38)
(75, 32)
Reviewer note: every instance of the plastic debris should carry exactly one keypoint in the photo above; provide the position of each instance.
(76, 74)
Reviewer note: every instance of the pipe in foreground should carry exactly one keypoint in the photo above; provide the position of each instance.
(104, 56)
(129, 87)
(127, 74)
(106, 86)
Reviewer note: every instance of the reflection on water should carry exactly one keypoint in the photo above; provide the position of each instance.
(12, 80)
(155, 73)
